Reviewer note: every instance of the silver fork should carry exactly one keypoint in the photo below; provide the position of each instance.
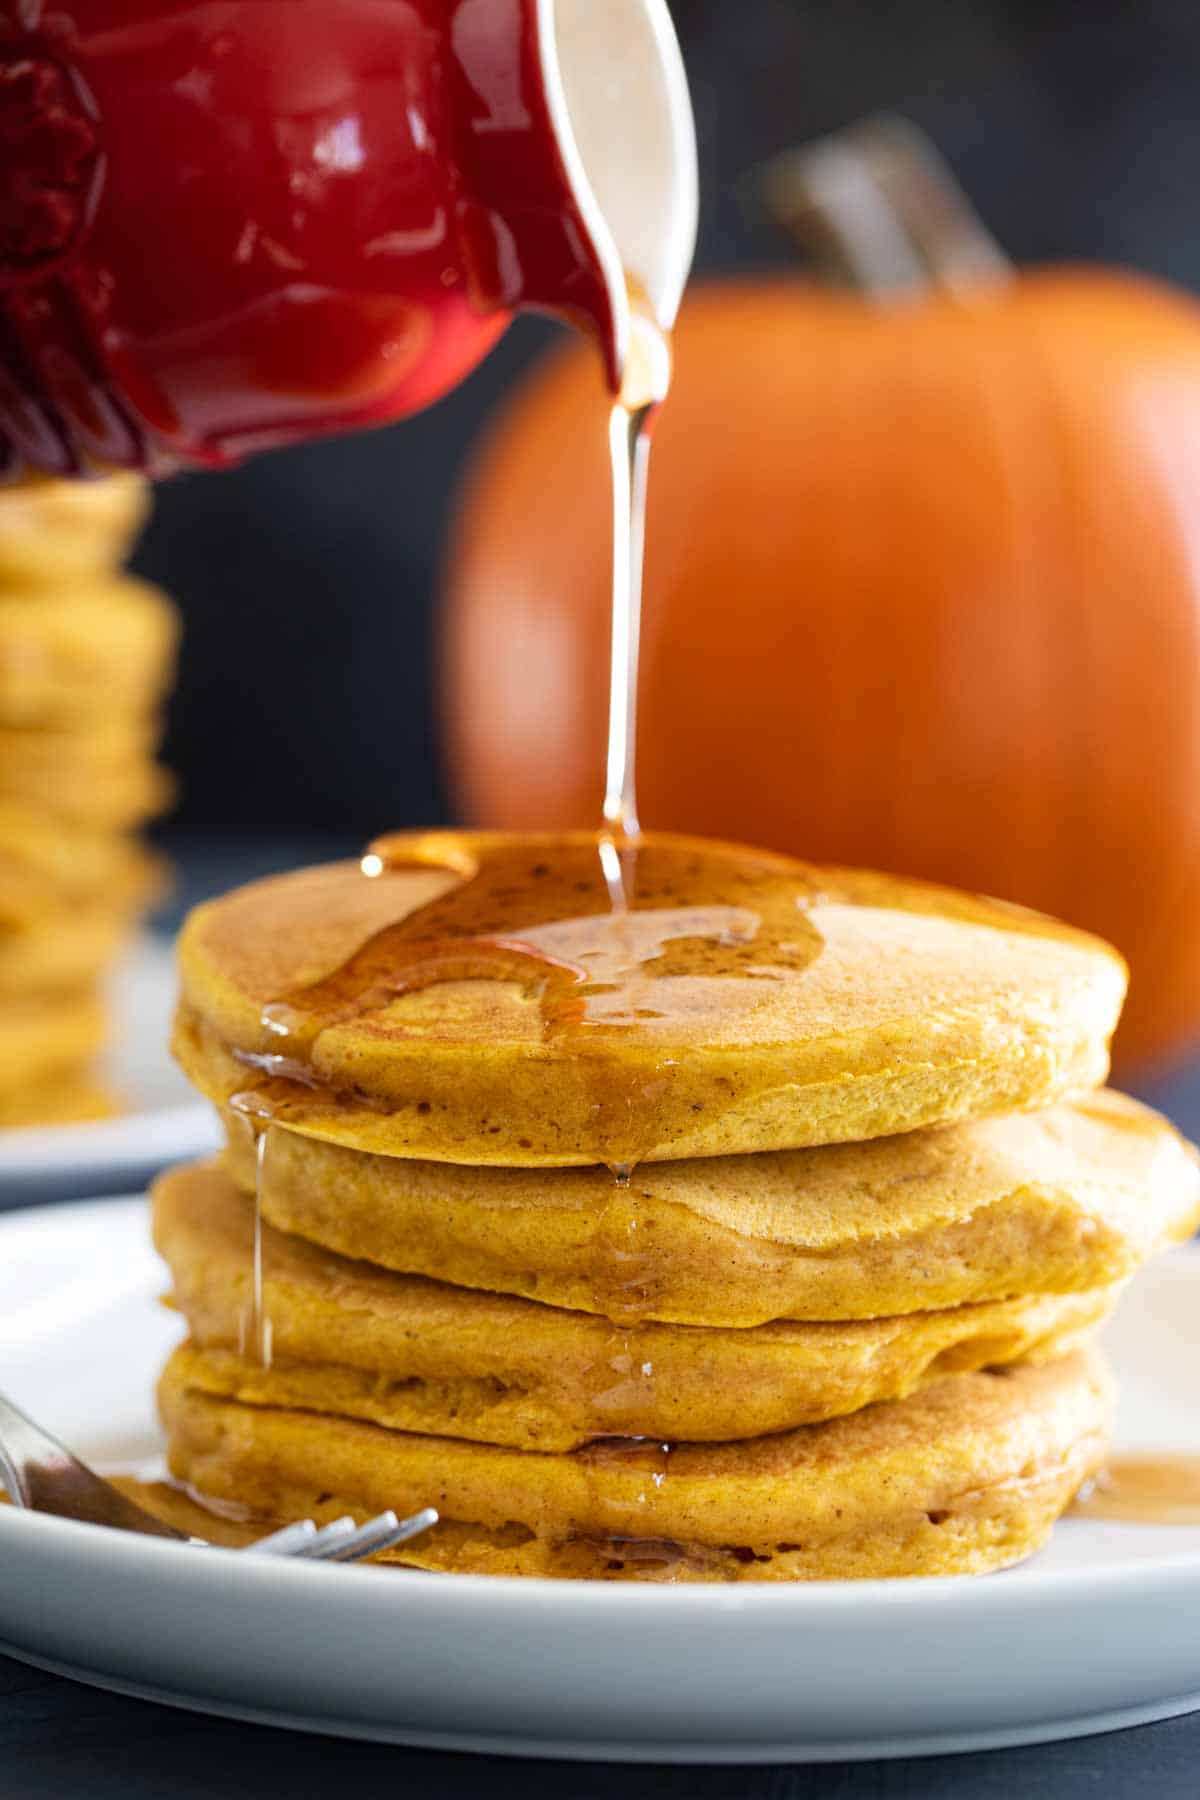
(42, 1475)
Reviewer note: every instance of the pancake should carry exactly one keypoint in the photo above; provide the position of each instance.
(55, 531)
(40, 1039)
(68, 655)
(541, 1001)
(68, 1097)
(44, 867)
(70, 950)
(967, 1475)
(103, 776)
(418, 1355)
(1072, 1198)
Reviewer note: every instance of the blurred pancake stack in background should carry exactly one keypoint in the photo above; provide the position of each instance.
(86, 656)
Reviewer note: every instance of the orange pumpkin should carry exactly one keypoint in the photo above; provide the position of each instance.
(922, 591)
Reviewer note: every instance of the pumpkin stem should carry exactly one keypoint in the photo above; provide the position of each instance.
(878, 209)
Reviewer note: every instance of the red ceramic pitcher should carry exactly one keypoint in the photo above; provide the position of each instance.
(230, 224)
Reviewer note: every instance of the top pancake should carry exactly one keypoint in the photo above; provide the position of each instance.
(532, 1001)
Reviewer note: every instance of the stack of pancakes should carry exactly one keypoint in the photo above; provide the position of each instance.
(689, 1213)
(85, 657)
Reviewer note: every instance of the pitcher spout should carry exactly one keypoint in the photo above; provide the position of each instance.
(602, 193)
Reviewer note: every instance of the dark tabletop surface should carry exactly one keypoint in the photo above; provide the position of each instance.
(69, 1742)
(62, 1740)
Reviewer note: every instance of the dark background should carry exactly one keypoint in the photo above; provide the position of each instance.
(309, 579)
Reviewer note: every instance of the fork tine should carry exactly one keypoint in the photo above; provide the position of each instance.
(293, 1540)
(349, 1545)
(323, 1542)
(378, 1534)
(421, 1521)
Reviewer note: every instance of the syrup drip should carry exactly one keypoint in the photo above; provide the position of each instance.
(638, 1554)
(1144, 1490)
(255, 1330)
(621, 1380)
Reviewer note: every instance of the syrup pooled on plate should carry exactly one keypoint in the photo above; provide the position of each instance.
(1154, 1489)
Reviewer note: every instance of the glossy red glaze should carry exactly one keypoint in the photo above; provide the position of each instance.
(230, 224)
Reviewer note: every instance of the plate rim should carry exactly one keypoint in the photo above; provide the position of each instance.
(647, 1751)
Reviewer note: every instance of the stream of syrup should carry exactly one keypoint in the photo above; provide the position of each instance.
(645, 383)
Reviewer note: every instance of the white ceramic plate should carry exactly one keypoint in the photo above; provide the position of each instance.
(165, 1123)
(1100, 1631)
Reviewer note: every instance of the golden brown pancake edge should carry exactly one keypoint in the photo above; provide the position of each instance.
(985, 1009)
(417, 1355)
(967, 1475)
(1075, 1197)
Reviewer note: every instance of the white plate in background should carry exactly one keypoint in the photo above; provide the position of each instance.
(166, 1122)
(1101, 1630)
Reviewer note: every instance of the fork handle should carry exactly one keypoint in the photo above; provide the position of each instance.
(40, 1474)
(22, 1444)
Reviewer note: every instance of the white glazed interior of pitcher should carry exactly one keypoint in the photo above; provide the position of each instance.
(619, 101)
